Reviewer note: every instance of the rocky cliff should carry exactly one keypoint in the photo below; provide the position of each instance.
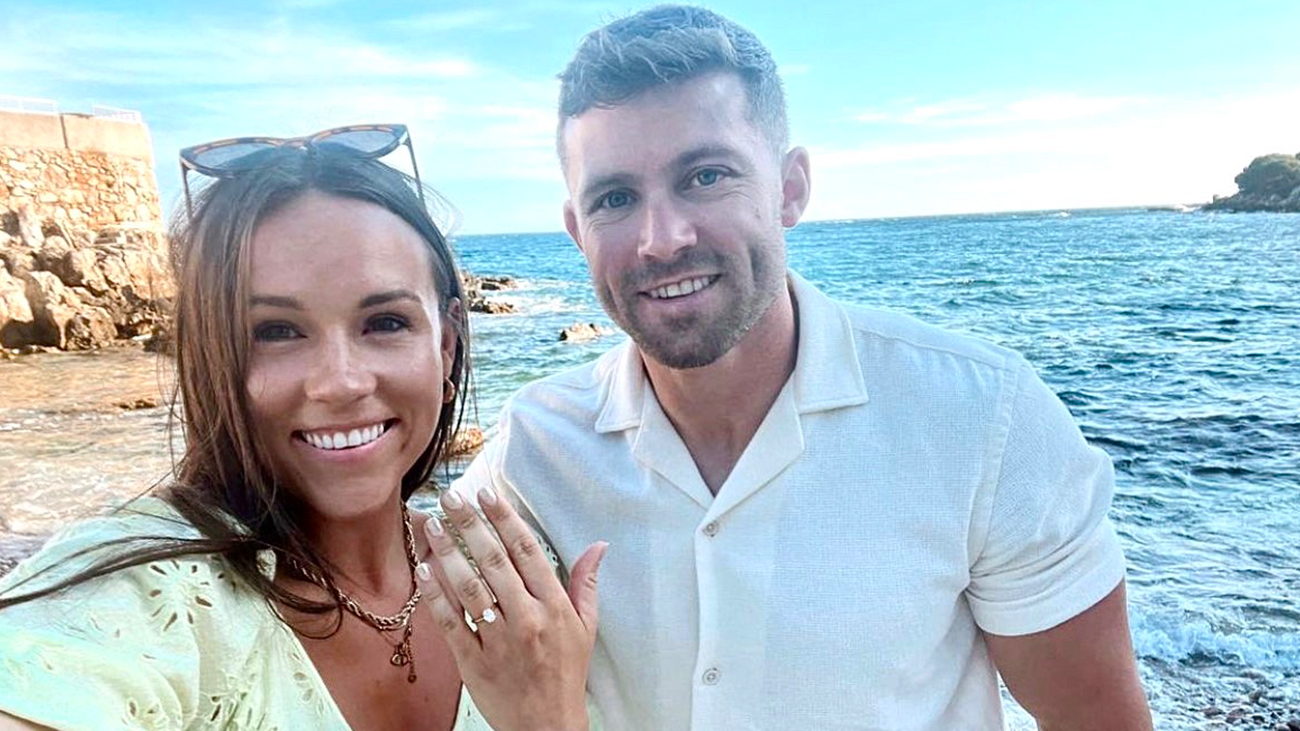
(82, 251)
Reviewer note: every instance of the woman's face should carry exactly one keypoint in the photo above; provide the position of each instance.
(349, 350)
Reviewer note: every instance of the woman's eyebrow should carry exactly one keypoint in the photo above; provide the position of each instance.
(267, 300)
(385, 297)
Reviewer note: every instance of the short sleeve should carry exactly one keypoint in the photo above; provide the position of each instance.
(117, 652)
(1049, 550)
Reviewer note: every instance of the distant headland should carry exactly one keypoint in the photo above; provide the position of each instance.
(1269, 183)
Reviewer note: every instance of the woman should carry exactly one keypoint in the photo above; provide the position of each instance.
(321, 353)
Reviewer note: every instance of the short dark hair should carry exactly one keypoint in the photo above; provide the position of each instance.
(668, 44)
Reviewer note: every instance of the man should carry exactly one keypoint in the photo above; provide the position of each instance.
(820, 516)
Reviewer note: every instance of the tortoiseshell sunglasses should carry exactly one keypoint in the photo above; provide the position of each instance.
(229, 158)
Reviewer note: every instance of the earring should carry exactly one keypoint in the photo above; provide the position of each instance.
(448, 391)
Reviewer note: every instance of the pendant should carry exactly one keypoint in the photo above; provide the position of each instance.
(401, 656)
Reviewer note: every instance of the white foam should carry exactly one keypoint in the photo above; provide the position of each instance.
(1173, 640)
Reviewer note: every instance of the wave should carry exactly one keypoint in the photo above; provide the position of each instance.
(1174, 640)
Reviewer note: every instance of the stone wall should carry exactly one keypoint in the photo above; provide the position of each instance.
(82, 190)
(81, 237)
(77, 171)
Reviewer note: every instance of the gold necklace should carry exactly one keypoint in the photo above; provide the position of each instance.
(402, 620)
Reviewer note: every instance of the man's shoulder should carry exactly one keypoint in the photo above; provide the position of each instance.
(874, 328)
(574, 395)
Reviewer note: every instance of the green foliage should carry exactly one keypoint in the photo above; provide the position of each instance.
(1270, 175)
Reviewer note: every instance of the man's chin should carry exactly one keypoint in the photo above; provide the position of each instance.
(679, 353)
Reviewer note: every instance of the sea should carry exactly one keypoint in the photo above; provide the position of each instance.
(1173, 338)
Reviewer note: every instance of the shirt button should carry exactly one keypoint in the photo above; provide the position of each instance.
(711, 528)
(711, 676)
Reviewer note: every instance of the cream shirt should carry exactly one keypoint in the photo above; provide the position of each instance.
(908, 488)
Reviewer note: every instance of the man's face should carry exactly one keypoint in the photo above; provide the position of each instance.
(678, 201)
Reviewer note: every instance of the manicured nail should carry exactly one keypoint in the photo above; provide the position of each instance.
(422, 571)
(433, 526)
(487, 497)
(451, 500)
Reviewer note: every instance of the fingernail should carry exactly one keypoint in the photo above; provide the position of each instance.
(451, 500)
(433, 526)
(422, 571)
(487, 497)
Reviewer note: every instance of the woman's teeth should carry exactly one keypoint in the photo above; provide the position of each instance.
(344, 440)
(680, 289)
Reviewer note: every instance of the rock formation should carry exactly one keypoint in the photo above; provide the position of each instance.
(475, 287)
(1269, 183)
(82, 252)
(582, 332)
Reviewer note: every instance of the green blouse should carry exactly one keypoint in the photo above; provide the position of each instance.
(174, 644)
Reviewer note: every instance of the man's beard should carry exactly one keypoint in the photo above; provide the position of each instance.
(697, 339)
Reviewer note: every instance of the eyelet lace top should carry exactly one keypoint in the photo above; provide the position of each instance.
(174, 644)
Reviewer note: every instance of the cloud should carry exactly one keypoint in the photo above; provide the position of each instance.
(1166, 152)
(1052, 107)
(446, 20)
(107, 49)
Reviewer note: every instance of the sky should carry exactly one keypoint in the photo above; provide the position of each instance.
(906, 108)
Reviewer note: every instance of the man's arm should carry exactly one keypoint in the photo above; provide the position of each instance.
(1080, 675)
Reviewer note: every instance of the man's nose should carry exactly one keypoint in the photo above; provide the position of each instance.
(339, 373)
(665, 231)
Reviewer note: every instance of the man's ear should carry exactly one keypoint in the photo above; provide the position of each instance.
(796, 186)
(571, 225)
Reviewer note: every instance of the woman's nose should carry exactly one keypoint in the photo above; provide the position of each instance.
(339, 374)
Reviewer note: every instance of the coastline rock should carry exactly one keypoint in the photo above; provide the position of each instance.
(78, 289)
(78, 268)
(475, 286)
(490, 307)
(15, 312)
(1245, 203)
(1269, 183)
(582, 332)
(466, 442)
(88, 329)
(53, 305)
(29, 226)
(50, 254)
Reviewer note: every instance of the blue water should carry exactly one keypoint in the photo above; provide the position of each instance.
(1173, 338)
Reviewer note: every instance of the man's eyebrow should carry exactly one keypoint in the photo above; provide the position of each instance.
(604, 182)
(389, 296)
(695, 154)
(267, 300)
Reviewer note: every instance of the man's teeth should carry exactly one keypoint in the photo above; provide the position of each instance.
(343, 440)
(680, 289)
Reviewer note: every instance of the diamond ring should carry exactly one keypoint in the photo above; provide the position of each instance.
(488, 617)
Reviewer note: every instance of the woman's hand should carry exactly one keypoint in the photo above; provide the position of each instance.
(525, 661)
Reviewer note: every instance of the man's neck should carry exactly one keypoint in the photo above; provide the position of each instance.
(717, 408)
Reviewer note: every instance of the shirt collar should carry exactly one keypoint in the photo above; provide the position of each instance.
(827, 374)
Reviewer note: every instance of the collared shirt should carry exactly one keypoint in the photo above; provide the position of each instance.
(908, 488)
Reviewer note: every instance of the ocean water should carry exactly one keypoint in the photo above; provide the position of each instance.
(1173, 338)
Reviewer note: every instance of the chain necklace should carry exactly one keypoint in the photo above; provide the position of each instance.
(402, 620)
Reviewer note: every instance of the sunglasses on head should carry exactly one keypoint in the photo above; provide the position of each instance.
(237, 155)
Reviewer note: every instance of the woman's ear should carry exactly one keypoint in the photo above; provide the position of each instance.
(451, 334)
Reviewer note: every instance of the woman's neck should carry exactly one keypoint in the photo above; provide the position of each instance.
(368, 552)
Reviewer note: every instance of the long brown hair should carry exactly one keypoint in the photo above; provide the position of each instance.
(223, 483)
